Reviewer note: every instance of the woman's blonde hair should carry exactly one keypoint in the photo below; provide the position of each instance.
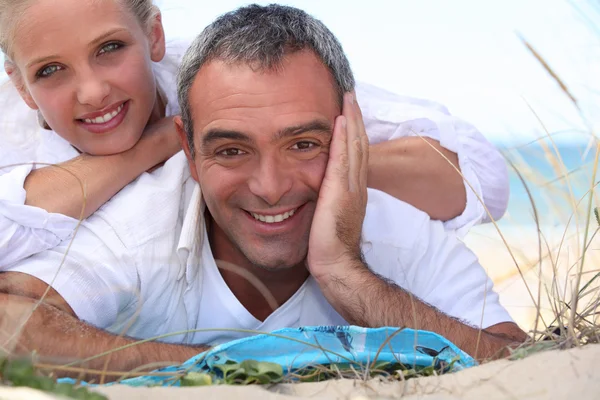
(11, 12)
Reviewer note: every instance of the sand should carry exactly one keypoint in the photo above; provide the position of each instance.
(571, 374)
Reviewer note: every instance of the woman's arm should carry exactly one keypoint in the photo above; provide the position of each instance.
(411, 170)
(404, 165)
(58, 189)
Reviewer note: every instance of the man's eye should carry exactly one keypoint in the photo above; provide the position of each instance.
(231, 152)
(47, 71)
(304, 145)
(110, 47)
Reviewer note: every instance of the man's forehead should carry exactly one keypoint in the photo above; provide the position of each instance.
(218, 77)
(302, 84)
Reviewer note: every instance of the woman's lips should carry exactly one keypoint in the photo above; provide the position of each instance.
(106, 122)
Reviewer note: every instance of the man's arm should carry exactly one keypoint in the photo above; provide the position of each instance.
(58, 189)
(335, 258)
(55, 334)
(366, 299)
(411, 170)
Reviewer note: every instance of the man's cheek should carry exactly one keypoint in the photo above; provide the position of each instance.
(314, 171)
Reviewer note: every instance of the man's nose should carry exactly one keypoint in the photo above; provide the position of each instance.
(271, 180)
(92, 90)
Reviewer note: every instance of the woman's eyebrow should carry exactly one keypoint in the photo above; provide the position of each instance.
(99, 39)
(41, 60)
(107, 34)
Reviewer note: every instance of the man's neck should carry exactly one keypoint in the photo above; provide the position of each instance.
(248, 282)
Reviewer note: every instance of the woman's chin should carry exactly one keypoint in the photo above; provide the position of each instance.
(108, 149)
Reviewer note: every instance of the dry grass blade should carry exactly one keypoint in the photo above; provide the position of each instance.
(546, 66)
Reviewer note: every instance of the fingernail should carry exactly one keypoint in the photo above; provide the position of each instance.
(351, 98)
(344, 122)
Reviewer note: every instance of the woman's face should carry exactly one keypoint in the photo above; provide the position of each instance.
(87, 66)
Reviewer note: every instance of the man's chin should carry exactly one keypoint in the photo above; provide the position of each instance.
(276, 265)
(276, 262)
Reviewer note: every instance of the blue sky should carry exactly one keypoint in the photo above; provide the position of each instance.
(464, 54)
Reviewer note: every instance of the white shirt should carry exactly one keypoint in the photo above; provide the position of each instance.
(26, 230)
(142, 273)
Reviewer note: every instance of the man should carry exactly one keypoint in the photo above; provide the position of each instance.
(284, 232)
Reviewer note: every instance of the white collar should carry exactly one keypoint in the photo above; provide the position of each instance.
(192, 237)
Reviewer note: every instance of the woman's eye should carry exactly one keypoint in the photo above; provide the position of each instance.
(231, 152)
(304, 145)
(47, 71)
(110, 47)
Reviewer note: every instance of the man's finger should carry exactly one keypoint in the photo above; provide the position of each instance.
(364, 140)
(355, 150)
(337, 167)
(358, 134)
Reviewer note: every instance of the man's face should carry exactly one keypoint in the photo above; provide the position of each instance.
(262, 146)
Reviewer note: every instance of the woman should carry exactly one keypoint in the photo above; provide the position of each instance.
(100, 76)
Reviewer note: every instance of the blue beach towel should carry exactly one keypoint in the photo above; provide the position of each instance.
(297, 348)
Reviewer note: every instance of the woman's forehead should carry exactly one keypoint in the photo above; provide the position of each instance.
(48, 26)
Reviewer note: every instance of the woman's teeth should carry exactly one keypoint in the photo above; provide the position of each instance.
(105, 118)
(271, 219)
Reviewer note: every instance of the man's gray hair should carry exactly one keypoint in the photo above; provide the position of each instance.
(260, 36)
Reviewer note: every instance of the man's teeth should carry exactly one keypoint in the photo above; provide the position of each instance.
(105, 118)
(271, 219)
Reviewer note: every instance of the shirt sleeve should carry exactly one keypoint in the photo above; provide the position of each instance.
(449, 276)
(389, 116)
(419, 255)
(95, 275)
(26, 230)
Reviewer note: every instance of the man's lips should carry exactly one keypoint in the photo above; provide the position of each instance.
(275, 218)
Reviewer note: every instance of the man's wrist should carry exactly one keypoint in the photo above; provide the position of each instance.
(342, 271)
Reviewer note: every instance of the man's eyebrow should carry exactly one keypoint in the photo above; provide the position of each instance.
(92, 43)
(214, 135)
(318, 126)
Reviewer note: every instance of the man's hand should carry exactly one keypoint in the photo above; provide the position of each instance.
(336, 230)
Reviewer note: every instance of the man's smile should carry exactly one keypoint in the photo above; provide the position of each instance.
(276, 222)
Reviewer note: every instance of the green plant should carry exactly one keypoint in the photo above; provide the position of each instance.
(22, 373)
(254, 372)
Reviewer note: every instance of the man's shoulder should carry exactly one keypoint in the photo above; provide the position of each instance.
(151, 208)
(392, 222)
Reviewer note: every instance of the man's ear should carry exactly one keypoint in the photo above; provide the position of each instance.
(157, 38)
(17, 80)
(186, 147)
